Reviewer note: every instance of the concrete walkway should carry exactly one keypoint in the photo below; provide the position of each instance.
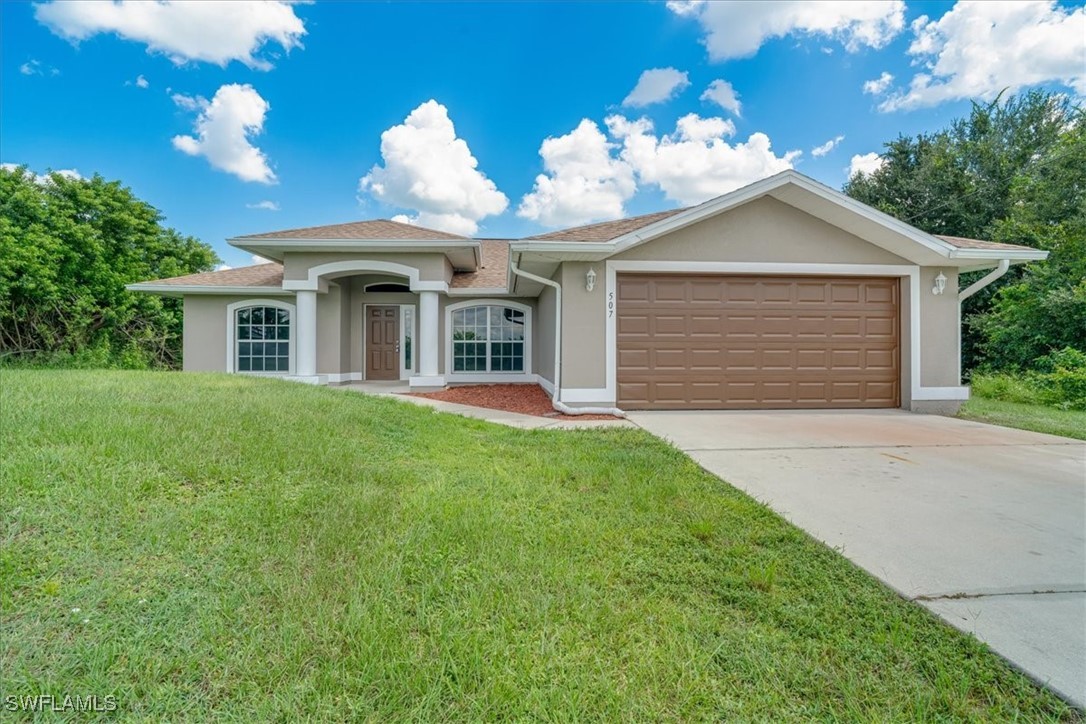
(511, 419)
(982, 525)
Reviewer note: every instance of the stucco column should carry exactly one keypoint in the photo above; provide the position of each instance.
(306, 335)
(429, 343)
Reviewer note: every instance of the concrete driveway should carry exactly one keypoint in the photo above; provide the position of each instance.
(983, 525)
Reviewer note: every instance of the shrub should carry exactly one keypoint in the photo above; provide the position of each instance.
(1059, 381)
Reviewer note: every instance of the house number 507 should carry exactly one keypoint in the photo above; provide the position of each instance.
(610, 304)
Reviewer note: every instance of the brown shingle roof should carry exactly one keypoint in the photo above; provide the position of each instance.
(607, 230)
(964, 243)
(258, 275)
(362, 230)
(492, 270)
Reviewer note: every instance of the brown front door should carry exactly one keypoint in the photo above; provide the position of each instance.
(382, 342)
(690, 341)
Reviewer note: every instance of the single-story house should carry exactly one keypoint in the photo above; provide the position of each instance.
(782, 294)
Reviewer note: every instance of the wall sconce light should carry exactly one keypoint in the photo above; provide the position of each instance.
(590, 280)
(940, 284)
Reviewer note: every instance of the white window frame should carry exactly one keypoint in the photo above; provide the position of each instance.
(524, 375)
(232, 338)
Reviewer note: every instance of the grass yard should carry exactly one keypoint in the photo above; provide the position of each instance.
(211, 546)
(1039, 418)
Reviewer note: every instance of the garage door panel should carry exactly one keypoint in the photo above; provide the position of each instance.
(718, 342)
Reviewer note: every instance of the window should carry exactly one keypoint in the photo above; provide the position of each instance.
(488, 339)
(408, 322)
(387, 287)
(263, 339)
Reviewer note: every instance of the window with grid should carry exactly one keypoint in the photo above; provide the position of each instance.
(263, 339)
(488, 339)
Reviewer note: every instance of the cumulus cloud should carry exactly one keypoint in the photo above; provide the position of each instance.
(212, 31)
(141, 82)
(429, 170)
(723, 94)
(980, 49)
(738, 29)
(866, 163)
(224, 130)
(223, 267)
(655, 86)
(879, 85)
(819, 151)
(696, 163)
(583, 181)
(264, 206)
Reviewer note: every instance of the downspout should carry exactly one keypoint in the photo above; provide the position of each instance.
(556, 403)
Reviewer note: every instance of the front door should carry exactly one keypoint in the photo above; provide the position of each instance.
(382, 342)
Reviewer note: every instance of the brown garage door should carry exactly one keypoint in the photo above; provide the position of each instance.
(741, 342)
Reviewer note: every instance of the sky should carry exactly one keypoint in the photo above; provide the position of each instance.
(494, 119)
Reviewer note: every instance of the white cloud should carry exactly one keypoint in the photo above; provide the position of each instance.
(738, 29)
(879, 85)
(431, 171)
(189, 103)
(212, 31)
(141, 82)
(866, 163)
(979, 49)
(655, 86)
(36, 67)
(695, 163)
(223, 132)
(260, 260)
(583, 182)
(264, 205)
(223, 267)
(819, 151)
(723, 94)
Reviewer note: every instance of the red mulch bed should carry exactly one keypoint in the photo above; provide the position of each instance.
(523, 399)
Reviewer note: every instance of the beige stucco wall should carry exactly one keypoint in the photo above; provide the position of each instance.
(939, 329)
(765, 230)
(583, 327)
(204, 341)
(543, 343)
(432, 267)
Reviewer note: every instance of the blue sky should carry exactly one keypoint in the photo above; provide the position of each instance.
(319, 84)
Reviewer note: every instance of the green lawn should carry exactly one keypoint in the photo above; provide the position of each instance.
(1039, 418)
(223, 547)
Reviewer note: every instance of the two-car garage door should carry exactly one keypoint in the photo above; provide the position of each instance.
(745, 342)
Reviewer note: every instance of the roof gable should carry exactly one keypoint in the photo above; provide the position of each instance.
(374, 229)
(842, 211)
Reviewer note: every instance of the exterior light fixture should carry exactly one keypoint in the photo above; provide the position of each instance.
(590, 280)
(940, 284)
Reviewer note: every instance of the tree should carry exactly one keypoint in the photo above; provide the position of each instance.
(981, 178)
(68, 247)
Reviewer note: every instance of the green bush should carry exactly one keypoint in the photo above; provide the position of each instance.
(1009, 388)
(1058, 381)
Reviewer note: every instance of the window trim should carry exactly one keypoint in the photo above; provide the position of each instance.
(232, 338)
(506, 376)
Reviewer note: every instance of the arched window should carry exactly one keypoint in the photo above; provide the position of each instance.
(387, 287)
(261, 337)
(488, 338)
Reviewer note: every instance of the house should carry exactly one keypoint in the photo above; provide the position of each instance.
(782, 294)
